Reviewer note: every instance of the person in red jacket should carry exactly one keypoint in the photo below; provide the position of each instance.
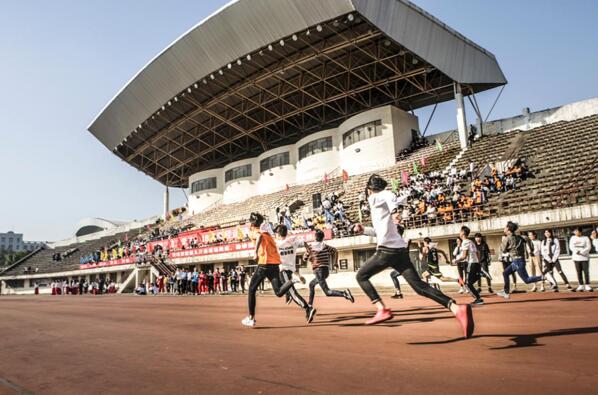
(217, 287)
(203, 286)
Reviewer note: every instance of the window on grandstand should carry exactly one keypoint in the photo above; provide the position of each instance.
(315, 147)
(202, 185)
(274, 161)
(362, 132)
(237, 172)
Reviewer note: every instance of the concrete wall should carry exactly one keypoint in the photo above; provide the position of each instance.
(364, 156)
(276, 178)
(199, 201)
(241, 188)
(313, 168)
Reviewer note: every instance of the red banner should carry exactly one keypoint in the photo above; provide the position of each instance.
(175, 245)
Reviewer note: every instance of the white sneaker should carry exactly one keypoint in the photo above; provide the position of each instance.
(580, 288)
(534, 288)
(504, 294)
(247, 321)
(542, 289)
(461, 290)
(588, 288)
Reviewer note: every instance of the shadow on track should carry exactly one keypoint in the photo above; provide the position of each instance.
(340, 321)
(523, 340)
(584, 298)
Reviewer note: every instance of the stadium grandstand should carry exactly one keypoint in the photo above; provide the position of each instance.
(286, 107)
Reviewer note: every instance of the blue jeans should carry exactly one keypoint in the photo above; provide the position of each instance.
(518, 265)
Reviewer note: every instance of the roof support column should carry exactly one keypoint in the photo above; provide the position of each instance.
(461, 118)
(166, 204)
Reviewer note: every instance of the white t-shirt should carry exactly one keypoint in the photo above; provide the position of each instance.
(580, 248)
(287, 249)
(382, 204)
(472, 252)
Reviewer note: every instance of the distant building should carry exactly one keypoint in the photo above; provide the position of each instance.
(12, 241)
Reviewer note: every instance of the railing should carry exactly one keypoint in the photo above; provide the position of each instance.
(457, 216)
(23, 259)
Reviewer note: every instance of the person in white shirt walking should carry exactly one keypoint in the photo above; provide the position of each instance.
(391, 252)
(550, 250)
(468, 254)
(580, 247)
(535, 255)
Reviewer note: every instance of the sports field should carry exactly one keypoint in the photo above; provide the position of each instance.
(533, 344)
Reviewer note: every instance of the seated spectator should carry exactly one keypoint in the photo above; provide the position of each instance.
(141, 290)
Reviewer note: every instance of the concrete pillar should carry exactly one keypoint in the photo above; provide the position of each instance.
(166, 203)
(27, 283)
(119, 277)
(461, 117)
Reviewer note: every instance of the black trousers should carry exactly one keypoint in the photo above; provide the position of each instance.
(472, 276)
(242, 283)
(397, 259)
(322, 274)
(270, 272)
(486, 266)
(286, 276)
(583, 272)
(394, 276)
(548, 270)
(461, 269)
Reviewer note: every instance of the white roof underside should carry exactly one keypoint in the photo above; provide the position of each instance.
(245, 25)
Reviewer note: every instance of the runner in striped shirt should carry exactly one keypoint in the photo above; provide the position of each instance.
(321, 257)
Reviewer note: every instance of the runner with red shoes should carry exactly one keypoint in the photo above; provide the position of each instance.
(392, 252)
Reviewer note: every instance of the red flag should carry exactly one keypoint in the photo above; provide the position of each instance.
(405, 177)
(424, 161)
(345, 176)
(325, 178)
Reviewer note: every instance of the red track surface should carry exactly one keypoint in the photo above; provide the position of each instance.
(533, 344)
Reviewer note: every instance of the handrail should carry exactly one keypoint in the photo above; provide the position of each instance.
(38, 249)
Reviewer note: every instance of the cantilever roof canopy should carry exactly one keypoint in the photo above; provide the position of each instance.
(259, 74)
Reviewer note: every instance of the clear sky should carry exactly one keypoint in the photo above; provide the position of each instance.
(62, 60)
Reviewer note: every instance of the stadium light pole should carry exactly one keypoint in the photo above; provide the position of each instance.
(166, 203)
(461, 117)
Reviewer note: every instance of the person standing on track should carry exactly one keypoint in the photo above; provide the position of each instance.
(268, 262)
(514, 245)
(535, 256)
(550, 250)
(468, 254)
(242, 278)
(392, 252)
(580, 247)
(484, 252)
(287, 248)
(217, 276)
(322, 256)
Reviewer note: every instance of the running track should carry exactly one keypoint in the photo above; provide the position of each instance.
(533, 344)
